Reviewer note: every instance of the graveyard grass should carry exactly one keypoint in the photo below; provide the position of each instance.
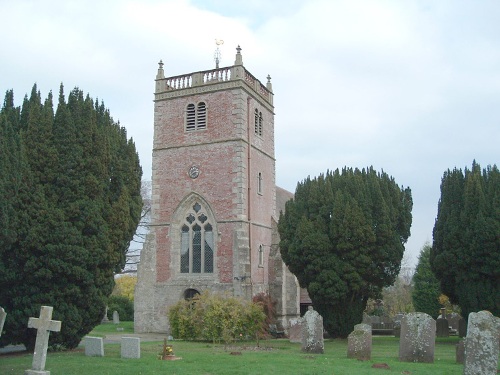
(207, 358)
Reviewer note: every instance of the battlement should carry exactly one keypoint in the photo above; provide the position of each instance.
(167, 87)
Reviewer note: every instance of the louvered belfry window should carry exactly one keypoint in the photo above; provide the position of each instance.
(197, 243)
(196, 116)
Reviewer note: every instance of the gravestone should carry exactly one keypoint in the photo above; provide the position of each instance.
(442, 328)
(312, 332)
(359, 342)
(453, 319)
(3, 315)
(131, 347)
(417, 340)
(462, 327)
(482, 344)
(116, 317)
(105, 317)
(94, 346)
(295, 330)
(460, 352)
(44, 325)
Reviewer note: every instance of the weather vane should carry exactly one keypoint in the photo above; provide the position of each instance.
(217, 54)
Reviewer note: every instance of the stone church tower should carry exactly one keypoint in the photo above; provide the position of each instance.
(214, 199)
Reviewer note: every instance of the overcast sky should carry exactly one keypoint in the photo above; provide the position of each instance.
(410, 87)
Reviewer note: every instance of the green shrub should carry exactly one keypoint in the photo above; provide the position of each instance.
(123, 305)
(216, 318)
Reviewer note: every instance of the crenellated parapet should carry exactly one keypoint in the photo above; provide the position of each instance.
(211, 80)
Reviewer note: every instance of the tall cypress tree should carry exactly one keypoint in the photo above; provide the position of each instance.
(465, 253)
(343, 236)
(426, 289)
(67, 248)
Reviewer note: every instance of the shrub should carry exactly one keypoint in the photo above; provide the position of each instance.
(216, 318)
(123, 305)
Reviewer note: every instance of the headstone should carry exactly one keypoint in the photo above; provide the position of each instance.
(94, 346)
(460, 352)
(453, 319)
(417, 340)
(116, 317)
(397, 325)
(442, 328)
(359, 342)
(3, 314)
(131, 347)
(312, 332)
(44, 325)
(295, 330)
(105, 317)
(462, 327)
(482, 344)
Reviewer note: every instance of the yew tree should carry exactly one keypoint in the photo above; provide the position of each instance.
(426, 288)
(70, 203)
(343, 237)
(465, 254)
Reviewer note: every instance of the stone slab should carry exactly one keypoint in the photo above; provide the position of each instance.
(131, 347)
(94, 346)
(417, 340)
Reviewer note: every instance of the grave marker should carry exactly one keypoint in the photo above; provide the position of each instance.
(94, 346)
(417, 340)
(44, 325)
(359, 342)
(3, 314)
(482, 344)
(116, 317)
(312, 332)
(131, 347)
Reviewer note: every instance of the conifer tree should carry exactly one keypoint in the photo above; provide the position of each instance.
(67, 245)
(343, 236)
(426, 289)
(465, 254)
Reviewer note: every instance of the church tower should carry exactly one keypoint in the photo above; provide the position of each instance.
(213, 191)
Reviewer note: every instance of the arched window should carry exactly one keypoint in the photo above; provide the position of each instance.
(258, 122)
(196, 116)
(197, 243)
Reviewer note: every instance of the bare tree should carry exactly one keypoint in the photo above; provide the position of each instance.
(134, 250)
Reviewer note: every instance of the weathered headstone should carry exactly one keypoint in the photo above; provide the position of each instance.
(44, 325)
(3, 315)
(462, 327)
(460, 352)
(94, 346)
(131, 347)
(312, 332)
(482, 344)
(442, 328)
(417, 340)
(295, 330)
(116, 317)
(359, 342)
(453, 319)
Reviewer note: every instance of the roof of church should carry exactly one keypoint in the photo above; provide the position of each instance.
(282, 196)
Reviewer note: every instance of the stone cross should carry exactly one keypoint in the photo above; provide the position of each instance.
(44, 325)
(3, 314)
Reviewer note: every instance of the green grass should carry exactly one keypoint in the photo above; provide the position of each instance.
(105, 329)
(283, 358)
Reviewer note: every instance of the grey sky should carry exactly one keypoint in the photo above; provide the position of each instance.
(410, 87)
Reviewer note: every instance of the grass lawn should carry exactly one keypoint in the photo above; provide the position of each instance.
(275, 357)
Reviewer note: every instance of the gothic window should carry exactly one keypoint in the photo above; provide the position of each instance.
(197, 243)
(258, 122)
(259, 183)
(196, 116)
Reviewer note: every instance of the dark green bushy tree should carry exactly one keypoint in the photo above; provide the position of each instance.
(465, 253)
(426, 289)
(75, 199)
(343, 236)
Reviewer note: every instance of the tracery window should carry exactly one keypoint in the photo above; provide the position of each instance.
(197, 243)
(196, 116)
